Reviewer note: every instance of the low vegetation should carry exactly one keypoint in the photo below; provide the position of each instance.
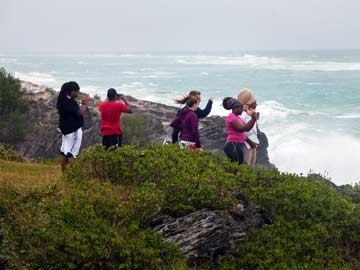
(13, 109)
(134, 128)
(6, 153)
(98, 215)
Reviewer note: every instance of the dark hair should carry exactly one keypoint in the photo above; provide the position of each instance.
(66, 90)
(111, 94)
(184, 99)
(194, 93)
(191, 102)
(230, 103)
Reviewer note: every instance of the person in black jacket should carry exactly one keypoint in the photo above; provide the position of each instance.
(71, 121)
(199, 112)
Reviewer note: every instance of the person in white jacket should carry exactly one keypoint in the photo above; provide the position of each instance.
(252, 142)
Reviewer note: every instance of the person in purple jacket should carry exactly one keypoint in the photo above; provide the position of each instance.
(187, 120)
(201, 113)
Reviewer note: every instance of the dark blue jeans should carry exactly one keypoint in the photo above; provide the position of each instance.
(234, 151)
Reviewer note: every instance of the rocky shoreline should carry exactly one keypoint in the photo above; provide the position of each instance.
(42, 139)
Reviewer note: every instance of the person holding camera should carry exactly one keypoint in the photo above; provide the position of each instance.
(252, 142)
(236, 128)
(110, 125)
(71, 121)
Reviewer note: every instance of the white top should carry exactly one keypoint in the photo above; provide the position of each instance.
(252, 134)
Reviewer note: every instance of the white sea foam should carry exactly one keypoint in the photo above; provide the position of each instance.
(129, 72)
(94, 90)
(146, 69)
(36, 77)
(8, 60)
(348, 116)
(217, 108)
(299, 148)
(275, 63)
(272, 111)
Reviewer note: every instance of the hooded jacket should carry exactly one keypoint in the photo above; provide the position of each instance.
(187, 122)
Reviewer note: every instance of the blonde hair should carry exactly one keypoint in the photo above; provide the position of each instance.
(245, 96)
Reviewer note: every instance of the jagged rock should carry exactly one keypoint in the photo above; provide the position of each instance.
(42, 139)
(206, 234)
(262, 156)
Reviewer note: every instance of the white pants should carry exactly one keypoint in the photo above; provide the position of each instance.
(70, 145)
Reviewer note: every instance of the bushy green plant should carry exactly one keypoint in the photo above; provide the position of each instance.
(99, 215)
(13, 109)
(189, 180)
(82, 226)
(351, 191)
(309, 221)
(6, 153)
(134, 128)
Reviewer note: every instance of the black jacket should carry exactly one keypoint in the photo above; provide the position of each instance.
(70, 117)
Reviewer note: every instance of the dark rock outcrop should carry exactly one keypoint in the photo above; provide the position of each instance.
(206, 234)
(42, 139)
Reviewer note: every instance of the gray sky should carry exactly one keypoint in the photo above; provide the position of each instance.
(168, 25)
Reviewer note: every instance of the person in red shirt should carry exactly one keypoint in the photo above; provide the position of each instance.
(110, 126)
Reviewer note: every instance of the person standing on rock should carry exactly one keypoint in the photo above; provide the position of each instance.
(71, 121)
(236, 128)
(199, 112)
(110, 126)
(187, 121)
(252, 142)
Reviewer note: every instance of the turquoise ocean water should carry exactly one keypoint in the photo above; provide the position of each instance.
(309, 102)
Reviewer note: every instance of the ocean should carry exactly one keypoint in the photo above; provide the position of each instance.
(309, 101)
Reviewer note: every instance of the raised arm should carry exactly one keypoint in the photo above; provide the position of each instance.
(238, 126)
(205, 112)
(84, 106)
(124, 99)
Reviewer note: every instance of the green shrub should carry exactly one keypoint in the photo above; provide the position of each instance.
(134, 128)
(188, 180)
(86, 226)
(309, 221)
(99, 215)
(6, 153)
(13, 109)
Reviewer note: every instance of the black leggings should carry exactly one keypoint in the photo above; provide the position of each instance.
(234, 151)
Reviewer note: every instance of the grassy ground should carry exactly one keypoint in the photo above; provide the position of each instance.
(23, 175)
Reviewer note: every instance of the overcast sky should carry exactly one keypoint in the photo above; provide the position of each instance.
(182, 25)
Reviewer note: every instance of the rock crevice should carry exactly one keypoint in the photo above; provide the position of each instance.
(210, 233)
